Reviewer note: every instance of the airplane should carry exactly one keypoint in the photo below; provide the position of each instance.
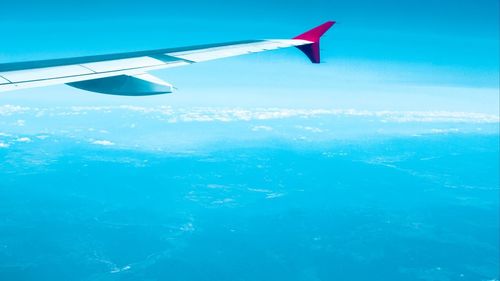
(126, 73)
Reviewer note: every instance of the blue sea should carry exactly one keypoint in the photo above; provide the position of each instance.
(205, 194)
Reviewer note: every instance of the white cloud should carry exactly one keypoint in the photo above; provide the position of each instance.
(21, 123)
(187, 227)
(23, 139)
(437, 116)
(213, 114)
(117, 270)
(101, 125)
(103, 142)
(274, 195)
(445, 131)
(261, 190)
(237, 114)
(4, 145)
(310, 129)
(8, 109)
(262, 128)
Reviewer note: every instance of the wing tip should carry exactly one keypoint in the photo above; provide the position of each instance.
(312, 50)
(315, 34)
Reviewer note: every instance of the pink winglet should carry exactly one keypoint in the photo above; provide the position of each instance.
(314, 35)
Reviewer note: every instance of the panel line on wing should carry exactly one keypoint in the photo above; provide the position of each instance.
(5, 79)
(87, 68)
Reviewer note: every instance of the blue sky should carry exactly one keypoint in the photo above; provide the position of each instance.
(394, 55)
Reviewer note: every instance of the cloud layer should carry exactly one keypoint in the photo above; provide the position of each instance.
(209, 114)
(169, 128)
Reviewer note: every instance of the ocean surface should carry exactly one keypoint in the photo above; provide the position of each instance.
(247, 199)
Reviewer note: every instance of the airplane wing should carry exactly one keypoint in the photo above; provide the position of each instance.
(126, 73)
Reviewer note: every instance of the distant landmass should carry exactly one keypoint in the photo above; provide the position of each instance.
(247, 195)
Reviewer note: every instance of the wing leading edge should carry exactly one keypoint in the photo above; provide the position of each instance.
(126, 73)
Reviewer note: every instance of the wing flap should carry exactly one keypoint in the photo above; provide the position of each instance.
(126, 85)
